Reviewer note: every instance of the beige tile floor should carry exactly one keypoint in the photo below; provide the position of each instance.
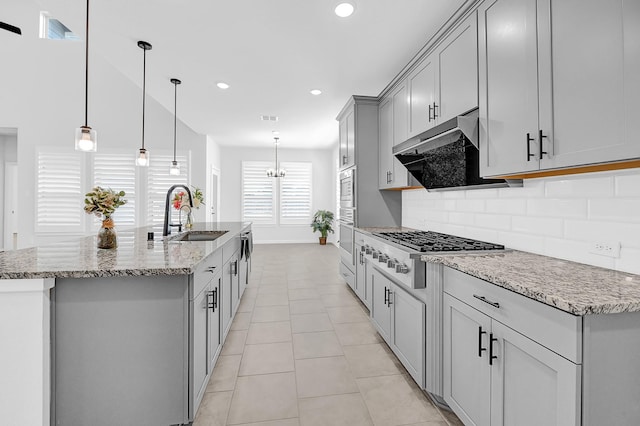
(302, 352)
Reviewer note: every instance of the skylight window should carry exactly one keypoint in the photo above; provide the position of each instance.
(53, 29)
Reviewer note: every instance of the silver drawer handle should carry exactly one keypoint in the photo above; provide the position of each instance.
(484, 299)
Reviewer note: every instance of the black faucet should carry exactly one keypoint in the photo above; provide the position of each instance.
(166, 229)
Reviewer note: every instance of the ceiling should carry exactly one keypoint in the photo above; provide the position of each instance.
(271, 53)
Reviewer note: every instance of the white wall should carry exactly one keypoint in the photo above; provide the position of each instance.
(42, 90)
(323, 191)
(558, 217)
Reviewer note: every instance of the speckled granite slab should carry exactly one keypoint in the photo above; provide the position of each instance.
(572, 287)
(134, 256)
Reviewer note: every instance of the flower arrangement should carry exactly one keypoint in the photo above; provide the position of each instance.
(182, 198)
(103, 202)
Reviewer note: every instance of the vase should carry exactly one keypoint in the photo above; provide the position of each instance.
(107, 235)
(323, 241)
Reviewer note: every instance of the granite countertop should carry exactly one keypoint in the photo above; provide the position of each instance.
(371, 229)
(572, 287)
(80, 258)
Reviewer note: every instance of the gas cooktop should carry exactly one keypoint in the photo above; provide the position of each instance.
(429, 241)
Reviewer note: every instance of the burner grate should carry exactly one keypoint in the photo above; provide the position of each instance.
(429, 241)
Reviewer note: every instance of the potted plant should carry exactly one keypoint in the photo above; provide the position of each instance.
(103, 203)
(322, 221)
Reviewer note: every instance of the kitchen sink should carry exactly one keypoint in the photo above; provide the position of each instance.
(198, 236)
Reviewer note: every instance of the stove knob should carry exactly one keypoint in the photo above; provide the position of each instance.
(368, 249)
(374, 254)
(363, 248)
(401, 268)
(391, 263)
(383, 258)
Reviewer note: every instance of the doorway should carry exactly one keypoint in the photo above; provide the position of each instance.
(8, 188)
(214, 214)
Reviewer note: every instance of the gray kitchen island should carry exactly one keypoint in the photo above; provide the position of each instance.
(136, 331)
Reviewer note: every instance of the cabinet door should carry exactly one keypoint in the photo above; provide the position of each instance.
(530, 384)
(458, 71)
(351, 139)
(385, 143)
(380, 310)
(361, 278)
(408, 332)
(508, 83)
(226, 298)
(235, 283)
(422, 97)
(342, 136)
(215, 336)
(467, 374)
(200, 357)
(584, 68)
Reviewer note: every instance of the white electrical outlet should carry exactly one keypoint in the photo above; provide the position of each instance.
(605, 248)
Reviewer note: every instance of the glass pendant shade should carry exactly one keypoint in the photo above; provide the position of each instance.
(143, 158)
(86, 139)
(175, 168)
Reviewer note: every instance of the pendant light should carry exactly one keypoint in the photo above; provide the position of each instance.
(86, 137)
(278, 172)
(143, 155)
(175, 168)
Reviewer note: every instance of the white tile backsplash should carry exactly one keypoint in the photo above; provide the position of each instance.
(559, 216)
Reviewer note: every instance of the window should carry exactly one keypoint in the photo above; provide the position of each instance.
(258, 193)
(118, 172)
(265, 199)
(59, 194)
(63, 178)
(53, 29)
(295, 194)
(159, 182)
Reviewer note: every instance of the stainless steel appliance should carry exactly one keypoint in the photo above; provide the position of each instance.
(347, 217)
(446, 156)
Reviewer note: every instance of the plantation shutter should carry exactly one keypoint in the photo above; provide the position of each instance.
(60, 199)
(295, 193)
(258, 192)
(159, 182)
(118, 172)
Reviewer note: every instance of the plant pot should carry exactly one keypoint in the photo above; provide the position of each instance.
(107, 235)
(323, 241)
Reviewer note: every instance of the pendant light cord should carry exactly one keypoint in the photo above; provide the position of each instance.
(175, 117)
(86, 72)
(144, 88)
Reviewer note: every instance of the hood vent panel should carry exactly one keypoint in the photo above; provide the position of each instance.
(446, 157)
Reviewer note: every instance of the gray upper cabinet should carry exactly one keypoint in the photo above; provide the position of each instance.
(508, 76)
(347, 140)
(393, 120)
(458, 71)
(545, 100)
(445, 83)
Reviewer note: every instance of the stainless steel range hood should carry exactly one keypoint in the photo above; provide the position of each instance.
(447, 156)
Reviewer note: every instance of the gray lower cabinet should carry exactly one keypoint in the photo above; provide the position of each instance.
(495, 375)
(361, 278)
(400, 320)
(140, 349)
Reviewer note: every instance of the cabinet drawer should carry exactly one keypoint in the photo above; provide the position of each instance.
(230, 248)
(557, 330)
(206, 270)
(347, 275)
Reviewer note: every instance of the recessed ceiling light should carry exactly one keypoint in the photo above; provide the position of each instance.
(316, 92)
(344, 9)
(222, 85)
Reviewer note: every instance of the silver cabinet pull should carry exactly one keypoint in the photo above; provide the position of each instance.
(485, 300)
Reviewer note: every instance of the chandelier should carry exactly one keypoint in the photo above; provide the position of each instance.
(278, 172)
